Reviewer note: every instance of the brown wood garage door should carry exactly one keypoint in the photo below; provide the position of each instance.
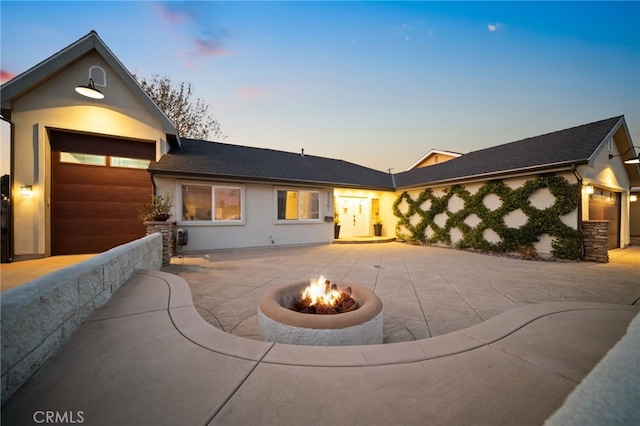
(94, 204)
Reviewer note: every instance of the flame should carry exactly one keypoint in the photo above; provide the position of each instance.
(321, 292)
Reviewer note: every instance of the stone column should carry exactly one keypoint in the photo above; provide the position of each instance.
(168, 241)
(596, 240)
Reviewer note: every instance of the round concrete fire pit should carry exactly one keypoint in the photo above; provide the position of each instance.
(278, 323)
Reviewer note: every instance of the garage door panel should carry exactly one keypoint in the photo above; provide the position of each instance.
(128, 194)
(84, 244)
(101, 228)
(94, 211)
(101, 176)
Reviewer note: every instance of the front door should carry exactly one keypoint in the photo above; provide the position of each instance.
(353, 213)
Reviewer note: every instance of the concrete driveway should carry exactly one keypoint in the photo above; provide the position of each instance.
(426, 291)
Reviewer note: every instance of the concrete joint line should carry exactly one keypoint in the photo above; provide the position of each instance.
(237, 388)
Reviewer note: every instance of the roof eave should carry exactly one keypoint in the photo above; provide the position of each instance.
(245, 178)
(559, 166)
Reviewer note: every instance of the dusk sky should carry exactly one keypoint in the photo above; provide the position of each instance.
(375, 83)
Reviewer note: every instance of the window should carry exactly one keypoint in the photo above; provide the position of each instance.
(202, 202)
(101, 160)
(298, 205)
(86, 159)
(130, 163)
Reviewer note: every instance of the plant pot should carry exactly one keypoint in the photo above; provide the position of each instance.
(161, 217)
(377, 229)
(336, 231)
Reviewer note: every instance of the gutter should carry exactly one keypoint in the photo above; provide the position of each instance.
(565, 165)
(254, 179)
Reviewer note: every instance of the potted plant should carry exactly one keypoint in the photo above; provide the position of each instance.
(377, 228)
(336, 225)
(159, 209)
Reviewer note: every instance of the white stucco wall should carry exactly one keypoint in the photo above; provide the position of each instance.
(260, 227)
(55, 104)
(610, 174)
(540, 199)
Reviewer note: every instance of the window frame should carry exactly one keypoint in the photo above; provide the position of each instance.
(278, 221)
(213, 221)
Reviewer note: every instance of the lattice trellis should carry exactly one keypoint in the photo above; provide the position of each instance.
(420, 224)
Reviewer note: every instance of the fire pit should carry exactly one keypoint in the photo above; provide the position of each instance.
(358, 322)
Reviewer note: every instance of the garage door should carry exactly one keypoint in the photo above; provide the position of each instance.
(97, 187)
(605, 205)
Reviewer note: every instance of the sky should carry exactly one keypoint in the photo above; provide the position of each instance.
(375, 83)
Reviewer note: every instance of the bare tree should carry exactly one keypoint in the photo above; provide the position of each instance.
(191, 118)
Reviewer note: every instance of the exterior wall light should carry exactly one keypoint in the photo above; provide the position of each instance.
(588, 189)
(633, 198)
(90, 91)
(632, 160)
(26, 190)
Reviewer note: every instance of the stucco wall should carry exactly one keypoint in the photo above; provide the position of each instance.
(259, 227)
(540, 199)
(612, 175)
(56, 105)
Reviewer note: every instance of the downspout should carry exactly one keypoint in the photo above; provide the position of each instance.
(580, 227)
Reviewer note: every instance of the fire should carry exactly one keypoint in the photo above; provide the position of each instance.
(320, 291)
(323, 298)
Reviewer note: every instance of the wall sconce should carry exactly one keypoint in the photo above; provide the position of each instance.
(90, 91)
(588, 189)
(26, 190)
(633, 198)
(632, 160)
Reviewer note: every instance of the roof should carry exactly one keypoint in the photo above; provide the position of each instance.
(198, 158)
(552, 150)
(57, 63)
(435, 152)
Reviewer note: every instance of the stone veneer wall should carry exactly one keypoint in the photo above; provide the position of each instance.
(39, 315)
(166, 228)
(596, 240)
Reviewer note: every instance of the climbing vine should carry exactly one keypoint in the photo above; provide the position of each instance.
(419, 217)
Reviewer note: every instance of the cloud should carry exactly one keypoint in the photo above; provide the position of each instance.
(6, 76)
(172, 13)
(252, 92)
(209, 47)
(493, 27)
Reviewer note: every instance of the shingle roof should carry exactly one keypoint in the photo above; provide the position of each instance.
(220, 160)
(564, 147)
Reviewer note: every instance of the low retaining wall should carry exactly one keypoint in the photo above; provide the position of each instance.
(39, 315)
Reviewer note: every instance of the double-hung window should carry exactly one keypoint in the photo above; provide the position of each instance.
(298, 205)
(212, 203)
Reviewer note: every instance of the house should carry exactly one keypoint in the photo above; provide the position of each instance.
(82, 167)
(435, 156)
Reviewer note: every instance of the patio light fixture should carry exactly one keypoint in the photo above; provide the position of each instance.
(633, 198)
(90, 91)
(588, 189)
(26, 190)
(632, 160)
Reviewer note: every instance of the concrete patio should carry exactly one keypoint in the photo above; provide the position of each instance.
(426, 291)
(513, 340)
